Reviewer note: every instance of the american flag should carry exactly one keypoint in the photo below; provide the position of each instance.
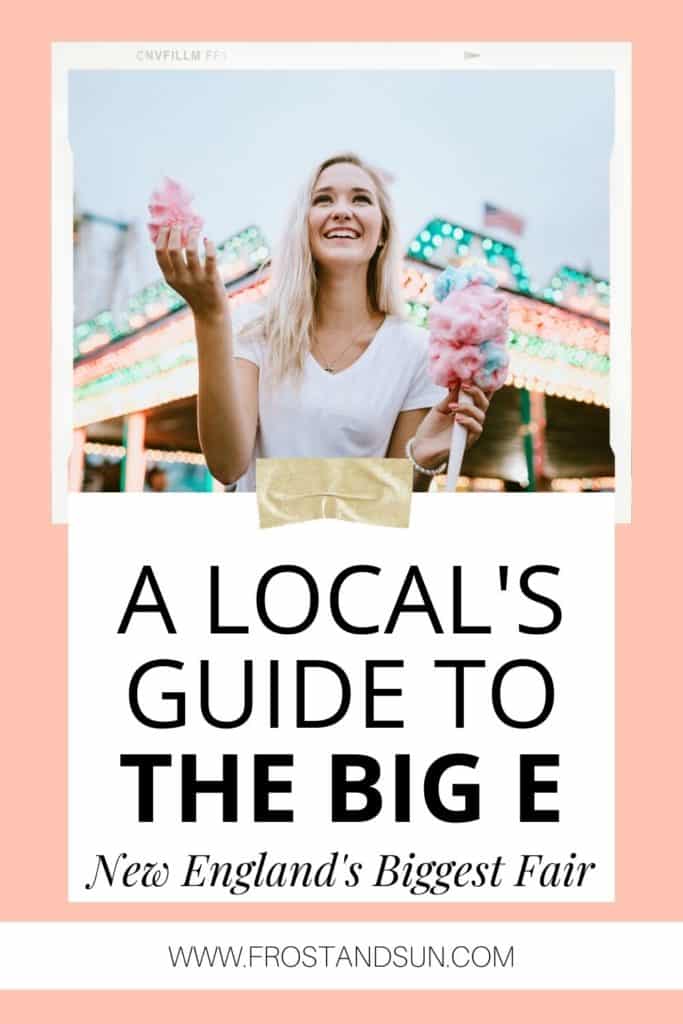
(494, 217)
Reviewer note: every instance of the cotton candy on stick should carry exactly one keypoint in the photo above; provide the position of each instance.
(171, 206)
(468, 327)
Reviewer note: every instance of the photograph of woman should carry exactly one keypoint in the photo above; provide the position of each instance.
(331, 369)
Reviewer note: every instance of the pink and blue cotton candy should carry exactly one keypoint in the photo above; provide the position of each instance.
(468, 328)
(457, 278)
(170, 207)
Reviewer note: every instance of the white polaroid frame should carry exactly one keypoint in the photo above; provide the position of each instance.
(468, 56)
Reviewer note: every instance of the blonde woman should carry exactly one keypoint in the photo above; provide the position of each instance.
(331, 369)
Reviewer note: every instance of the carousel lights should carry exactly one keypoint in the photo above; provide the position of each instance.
(417, 286)
(239, 254)
(417, 312)
(107, 451)
(486, 483)
(476, 483)
(155, 310)
(579, 290)
(187, 458)
(93, 342)
(180, 382)
(574, 484)
(558, 382)
(166, 336)
(462, 244)
(528, 316)
(553, 350)
(545, 364)
(152, 455)
(132, 391)
(544, 348)
(148, 368)
(153, 341)
(172, 346)
(250, 294)
(569, 288)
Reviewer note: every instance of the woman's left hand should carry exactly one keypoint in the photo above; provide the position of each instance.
(433, 439)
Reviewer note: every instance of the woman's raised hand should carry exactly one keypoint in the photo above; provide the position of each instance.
(200, 284)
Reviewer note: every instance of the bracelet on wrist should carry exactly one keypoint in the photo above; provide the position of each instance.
(416, 464)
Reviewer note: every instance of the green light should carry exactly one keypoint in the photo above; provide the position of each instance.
(417, 312)
(428, 251)
(425, 236)
(249, 245)
(458, 233)
(152, 367)
(543, 348)
(487, 243)
(446, 229)
(415, 246)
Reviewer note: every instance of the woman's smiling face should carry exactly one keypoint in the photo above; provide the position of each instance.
(344, 219)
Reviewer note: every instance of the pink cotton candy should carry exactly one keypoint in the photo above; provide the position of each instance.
(455, 322)
(170, 206)
(491, 380)
(449, 365)
(468, 317)
(468, 331)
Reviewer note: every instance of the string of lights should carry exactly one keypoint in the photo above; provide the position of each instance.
(238, 255)
(151, 360)
(152, 455)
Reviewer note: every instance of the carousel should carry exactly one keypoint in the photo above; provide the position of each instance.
(135, 373)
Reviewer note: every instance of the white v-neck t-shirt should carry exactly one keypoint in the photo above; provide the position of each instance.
(349, 414)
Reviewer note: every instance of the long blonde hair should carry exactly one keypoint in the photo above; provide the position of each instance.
(287, 323)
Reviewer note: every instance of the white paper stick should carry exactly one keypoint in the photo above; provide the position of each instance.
(458, 442)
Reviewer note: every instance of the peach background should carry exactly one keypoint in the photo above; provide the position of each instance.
(33, 719)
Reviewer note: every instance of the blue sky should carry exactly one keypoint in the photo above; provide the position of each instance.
(535, 142)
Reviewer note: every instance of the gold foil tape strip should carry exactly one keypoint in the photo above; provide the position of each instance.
(373, 491)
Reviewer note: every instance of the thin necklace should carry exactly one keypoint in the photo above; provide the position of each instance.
(328, 366)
